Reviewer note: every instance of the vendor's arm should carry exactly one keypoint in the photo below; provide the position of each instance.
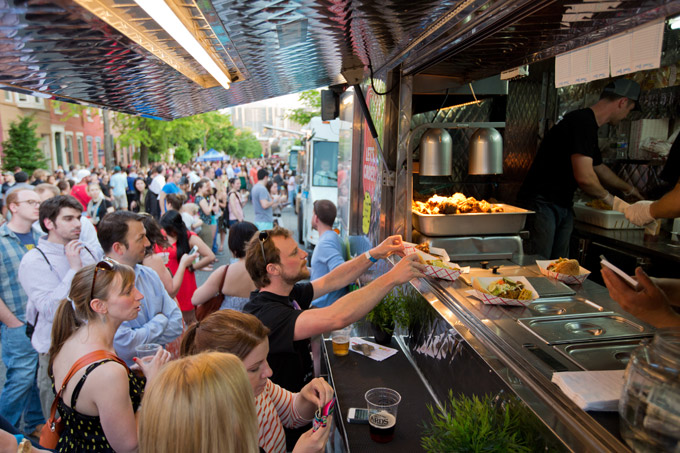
(356, 304)
(609, 179)
(350, 270)
(585, 176)
(650, 304)
(668, 206)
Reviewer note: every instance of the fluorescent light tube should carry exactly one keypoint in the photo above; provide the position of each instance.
(674, 22)
(159, 11)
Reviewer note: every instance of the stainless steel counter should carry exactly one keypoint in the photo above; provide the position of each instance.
(526, 361)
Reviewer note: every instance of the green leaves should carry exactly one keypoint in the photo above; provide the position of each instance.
(499, 423)
(21, 148)
(312, 107)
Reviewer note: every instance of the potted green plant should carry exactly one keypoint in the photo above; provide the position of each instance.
(383, 316)
(500, 423)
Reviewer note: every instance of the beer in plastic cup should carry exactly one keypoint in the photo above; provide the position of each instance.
(382, 413)
(146, 352)
(340, 340)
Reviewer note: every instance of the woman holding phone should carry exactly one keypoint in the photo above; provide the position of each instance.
(181, 242)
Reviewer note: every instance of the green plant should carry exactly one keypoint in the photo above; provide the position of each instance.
(490, 424)
(382, 314)
(21, 148)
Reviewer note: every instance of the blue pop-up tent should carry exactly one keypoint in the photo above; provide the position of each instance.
(210, 156)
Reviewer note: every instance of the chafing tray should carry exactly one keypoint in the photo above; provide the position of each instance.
(579, 329)
(511, 221)
(600, 355)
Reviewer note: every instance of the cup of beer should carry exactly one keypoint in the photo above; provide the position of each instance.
(146, 352)
(340, 340)
(382, 413)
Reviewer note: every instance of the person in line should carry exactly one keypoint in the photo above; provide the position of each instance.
(263, 203)
(46, 272)
(235, 202)
(207, 205)
(237, 285)
(20, 396)
(104, 185)
(200, 403)
(123, 238)
(99, 402)
(246, 337)
(170, 187)
(98, 206)
(653, 303)
(119, 186)
(139, 198)
(180, 243)
(79, 190)
(328, 253)
(569, 158)
(276, 265)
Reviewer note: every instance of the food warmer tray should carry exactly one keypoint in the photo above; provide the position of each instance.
(511, 221)
(600, 355)
(610, 220)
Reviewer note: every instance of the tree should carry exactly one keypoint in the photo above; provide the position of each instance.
(21, 148)
(311, 99)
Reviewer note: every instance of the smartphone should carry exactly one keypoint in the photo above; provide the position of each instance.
(193, 250)
(357, 416)
(626, 278)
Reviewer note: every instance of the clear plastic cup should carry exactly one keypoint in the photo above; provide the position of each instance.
(340, 340)
(382, 413)
(146, 352)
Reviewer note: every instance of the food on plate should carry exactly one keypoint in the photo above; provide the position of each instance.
(455, 204)
(504, 288)
(599, 204)
(565, 266)
(424, 247)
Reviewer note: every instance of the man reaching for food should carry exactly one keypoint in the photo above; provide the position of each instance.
(569, 158)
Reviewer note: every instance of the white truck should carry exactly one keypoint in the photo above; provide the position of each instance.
(318, 170)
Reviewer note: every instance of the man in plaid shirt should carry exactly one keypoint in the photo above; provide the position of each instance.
(20, 395)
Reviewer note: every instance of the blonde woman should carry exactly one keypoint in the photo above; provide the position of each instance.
(199, 404)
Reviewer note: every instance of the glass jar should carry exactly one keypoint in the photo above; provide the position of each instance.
(650, 402)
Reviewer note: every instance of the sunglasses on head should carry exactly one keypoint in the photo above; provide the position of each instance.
(106, 264)
(264, 235)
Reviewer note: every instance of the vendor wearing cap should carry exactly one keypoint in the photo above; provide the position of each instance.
(569, 158)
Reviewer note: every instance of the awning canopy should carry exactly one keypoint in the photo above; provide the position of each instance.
(211, 155)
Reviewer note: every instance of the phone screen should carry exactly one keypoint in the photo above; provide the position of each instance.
(193, 250)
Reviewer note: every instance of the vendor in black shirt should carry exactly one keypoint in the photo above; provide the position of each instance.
(569, 158)
(276, 264)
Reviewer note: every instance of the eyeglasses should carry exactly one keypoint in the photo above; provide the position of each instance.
(32, 203)
(106, 264)
(264, 235)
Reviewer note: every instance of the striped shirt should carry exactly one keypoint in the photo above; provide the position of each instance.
(11, 252)
(276, 409)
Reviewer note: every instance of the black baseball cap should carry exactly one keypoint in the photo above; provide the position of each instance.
(626, 88)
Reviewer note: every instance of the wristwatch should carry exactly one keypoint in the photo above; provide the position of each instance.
(370, 258)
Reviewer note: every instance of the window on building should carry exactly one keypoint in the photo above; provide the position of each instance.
(90, 155)
(100, 150)
(8, 96)
(69, 149)
(81, 158)
(21, 97)
(88, 114)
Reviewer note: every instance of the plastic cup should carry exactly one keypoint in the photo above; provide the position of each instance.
(382, 413)
(340, 340)
(146, 352)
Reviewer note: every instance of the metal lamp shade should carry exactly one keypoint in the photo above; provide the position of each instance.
(436, 153)
(486, 152)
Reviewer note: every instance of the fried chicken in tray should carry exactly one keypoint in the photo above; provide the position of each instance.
(455, 204)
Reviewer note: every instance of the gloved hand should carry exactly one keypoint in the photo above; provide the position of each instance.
(609, 199)
(639, 213)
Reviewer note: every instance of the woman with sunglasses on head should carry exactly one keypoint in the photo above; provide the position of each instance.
(99, 402)
(233, 280)
(180, 242)
(246, 337)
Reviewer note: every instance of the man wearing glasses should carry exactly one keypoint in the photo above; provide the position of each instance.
(46, 273)
(20, 393)
(276, 264)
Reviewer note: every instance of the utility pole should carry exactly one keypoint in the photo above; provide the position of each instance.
(108, 141)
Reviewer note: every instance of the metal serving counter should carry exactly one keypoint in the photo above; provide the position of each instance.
(516, 343)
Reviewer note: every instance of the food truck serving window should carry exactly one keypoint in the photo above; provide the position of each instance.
(325, 164)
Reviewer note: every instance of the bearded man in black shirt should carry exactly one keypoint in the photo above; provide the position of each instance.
(569, 158)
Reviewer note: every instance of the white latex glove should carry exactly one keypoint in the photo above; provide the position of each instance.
(609, 199)
(639, 213)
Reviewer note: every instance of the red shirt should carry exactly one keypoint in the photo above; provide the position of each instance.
(253, 175)
(80, 192)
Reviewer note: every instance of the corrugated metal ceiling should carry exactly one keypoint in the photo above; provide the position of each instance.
(280, 47)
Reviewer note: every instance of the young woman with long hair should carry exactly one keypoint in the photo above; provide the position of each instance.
(99, 402)
(180, 243)
(207, 205)
(246, 337)
(199, 404)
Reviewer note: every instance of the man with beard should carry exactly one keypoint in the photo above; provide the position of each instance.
(276, 265)
(46, 272)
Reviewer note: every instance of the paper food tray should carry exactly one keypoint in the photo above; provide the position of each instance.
(495, 300)
(435, 271)
(564, 278)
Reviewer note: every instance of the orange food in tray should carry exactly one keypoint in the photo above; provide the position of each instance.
(455, 204)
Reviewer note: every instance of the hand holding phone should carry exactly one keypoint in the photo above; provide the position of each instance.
(630, 281)
(193, 250)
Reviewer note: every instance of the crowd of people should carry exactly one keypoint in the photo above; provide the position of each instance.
(96, 264)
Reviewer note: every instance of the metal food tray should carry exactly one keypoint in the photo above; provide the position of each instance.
(600, 355)
(511, 221)
(585, 328)
(610, 220)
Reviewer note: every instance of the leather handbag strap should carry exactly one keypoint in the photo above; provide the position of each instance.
(85, 360)
(224, 278)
